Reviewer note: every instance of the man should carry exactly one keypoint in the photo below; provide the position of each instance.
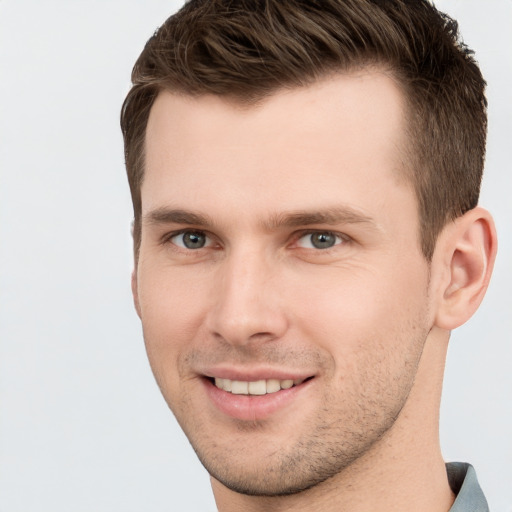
(305, 179)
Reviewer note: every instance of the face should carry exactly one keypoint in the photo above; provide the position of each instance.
(280, 282)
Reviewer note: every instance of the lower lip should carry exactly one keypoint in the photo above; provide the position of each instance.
(253, 407)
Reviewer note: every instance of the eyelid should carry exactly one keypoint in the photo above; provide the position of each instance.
(168, 238)
(343, 238)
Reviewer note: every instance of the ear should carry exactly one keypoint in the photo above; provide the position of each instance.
(135, 291)
(466, 251)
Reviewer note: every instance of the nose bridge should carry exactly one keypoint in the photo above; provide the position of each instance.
(247, 299)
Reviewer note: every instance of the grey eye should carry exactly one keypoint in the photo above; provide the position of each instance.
(191, 240)
(319, 240)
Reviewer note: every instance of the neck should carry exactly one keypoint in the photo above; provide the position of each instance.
(404, 471)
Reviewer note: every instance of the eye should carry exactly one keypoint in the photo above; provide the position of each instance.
(319, 240)
(191, 240)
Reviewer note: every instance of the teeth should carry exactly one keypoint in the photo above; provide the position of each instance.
(239, 387)
(286, 384)
(273, 385)
(258, 387)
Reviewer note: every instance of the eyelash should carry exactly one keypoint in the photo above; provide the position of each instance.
(167, 239)
(343, 239)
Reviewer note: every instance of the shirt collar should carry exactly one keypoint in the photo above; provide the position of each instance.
(464, 484)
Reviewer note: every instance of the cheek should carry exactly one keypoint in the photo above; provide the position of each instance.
(172, 309)
(373, 329)
(348, 313)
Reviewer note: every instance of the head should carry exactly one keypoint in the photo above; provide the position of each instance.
(246, 51)
(294, 170)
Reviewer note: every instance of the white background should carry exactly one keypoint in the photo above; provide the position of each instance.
(82, 424)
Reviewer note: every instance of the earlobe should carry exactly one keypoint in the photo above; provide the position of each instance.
(469, 248)
(135, 292)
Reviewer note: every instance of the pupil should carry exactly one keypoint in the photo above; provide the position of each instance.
(194, 240)
(323, 240)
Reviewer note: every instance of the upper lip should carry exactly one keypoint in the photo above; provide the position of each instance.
(255, 374)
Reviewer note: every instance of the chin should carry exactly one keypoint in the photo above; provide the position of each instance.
(268, 486)
(278, 474)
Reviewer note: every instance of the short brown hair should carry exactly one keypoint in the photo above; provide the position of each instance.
(247, 49)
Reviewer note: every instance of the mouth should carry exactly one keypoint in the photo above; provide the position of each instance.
(256, 387)
(255, 395)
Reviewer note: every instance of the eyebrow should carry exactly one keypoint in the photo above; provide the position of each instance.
(334, 215)
(176, 216)
(330, 216)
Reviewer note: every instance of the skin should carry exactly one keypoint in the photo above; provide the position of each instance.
(366, 320)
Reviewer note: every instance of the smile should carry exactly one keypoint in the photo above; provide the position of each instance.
(257, 399)
(257, 387)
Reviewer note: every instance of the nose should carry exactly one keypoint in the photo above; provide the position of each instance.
(247, 301)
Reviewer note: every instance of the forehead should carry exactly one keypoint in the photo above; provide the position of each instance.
(335, 140)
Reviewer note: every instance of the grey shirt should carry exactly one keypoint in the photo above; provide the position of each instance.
(464, 484)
